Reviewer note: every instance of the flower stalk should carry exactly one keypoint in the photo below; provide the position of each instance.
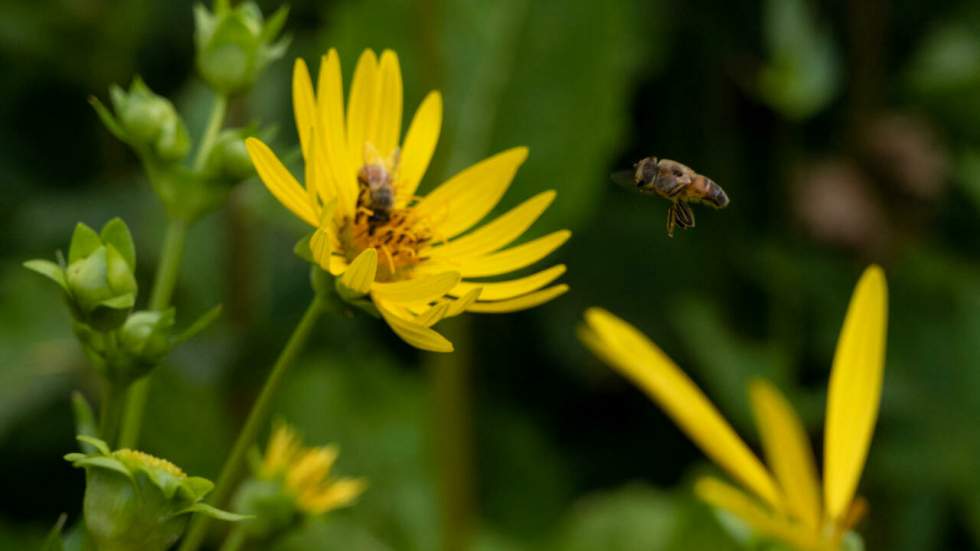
(233, 468)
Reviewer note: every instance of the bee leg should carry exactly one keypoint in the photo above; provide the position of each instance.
(676, 190)
(671, 220)
(684, 215)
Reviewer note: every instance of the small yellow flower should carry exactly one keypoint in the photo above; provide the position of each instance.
(305, 472)
(417, 260)
(787, 503)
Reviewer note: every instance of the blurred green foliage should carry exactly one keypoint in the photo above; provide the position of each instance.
(568, 455)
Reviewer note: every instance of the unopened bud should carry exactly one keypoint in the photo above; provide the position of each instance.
(235, 44)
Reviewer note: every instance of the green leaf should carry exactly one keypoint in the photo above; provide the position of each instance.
(84, 420)
(116, 233)
(49, 270)
(200, 324)
(84, 241)
(53, 541)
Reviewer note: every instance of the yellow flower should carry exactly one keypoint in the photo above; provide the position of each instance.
(305, 472)
(416, 259)
(783, 501)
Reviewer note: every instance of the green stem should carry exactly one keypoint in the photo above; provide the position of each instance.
(235, 540)
(233, 466)
(169, 268)
(110, 411)
(450, 376)
(163, 289)
(211, 132)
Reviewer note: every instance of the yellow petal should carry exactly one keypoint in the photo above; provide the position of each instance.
(500, 290)
(338, 265)
(788, 453)
(280, 182)
(420, 144)
(525, 302)
(633, 355)
(728, 498)
(338, 494)
(304, 105)
(459, 305)
(318, 180)
(433, 315)
(361, 106)
(419, 289)
(359, 276)
(414, 333)
(321, 244)
(467, 197)
(855, 390)
(514, 258)
(331, 135)
(388, 121)
(499, 233)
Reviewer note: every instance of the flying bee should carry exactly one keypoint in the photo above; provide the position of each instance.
(677, 183)
(376, 181)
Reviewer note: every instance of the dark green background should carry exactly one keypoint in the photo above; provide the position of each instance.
(845, 133)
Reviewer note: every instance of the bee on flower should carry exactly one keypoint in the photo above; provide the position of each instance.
(414, 260)
(785, 501)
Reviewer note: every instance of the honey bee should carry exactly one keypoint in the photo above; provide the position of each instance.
(677, 183)
(376, 182)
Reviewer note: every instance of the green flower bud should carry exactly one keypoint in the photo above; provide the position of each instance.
(145, 339)
(147, 121)
(136, 501)
(98, 279)
(228, 159)
(235, 44)
(273, 509)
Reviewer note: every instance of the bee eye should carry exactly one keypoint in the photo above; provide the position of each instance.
(678, 173)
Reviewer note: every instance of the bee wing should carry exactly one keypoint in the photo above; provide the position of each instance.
(624, 178)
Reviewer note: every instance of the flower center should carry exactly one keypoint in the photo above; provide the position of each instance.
(395, 232)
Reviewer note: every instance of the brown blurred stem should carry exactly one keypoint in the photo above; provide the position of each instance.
(453, 438)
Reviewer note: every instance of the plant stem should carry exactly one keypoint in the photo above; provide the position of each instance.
(450, 376)
(233, 466)
(235, 540)
(211, 132)
(163, 289)
(110, 411)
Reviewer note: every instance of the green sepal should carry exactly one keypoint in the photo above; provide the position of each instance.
(302, 249)
(48, 269)
(122, 302)
(97, 443)
(200, 324)
(84, 420)
(213, 512)
(110, 122)
(103, 462)
(196, 487)
(53, 541)
(116, 233)
(84, 242)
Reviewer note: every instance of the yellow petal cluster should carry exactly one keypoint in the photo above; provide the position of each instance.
(306, 473)
(784, 500)
(417, 259)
